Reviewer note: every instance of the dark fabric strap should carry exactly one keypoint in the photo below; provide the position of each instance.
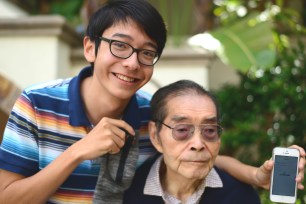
(124, 154)
(116, 173)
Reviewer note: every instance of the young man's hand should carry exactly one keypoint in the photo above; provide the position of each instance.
(263, 173)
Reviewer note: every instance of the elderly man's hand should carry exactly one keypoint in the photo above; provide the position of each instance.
(263, 173)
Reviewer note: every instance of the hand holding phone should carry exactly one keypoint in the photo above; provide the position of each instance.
(285, 169)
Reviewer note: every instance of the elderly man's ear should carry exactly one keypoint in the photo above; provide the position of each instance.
(154, 137)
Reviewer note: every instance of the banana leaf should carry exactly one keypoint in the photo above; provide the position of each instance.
(245, 44)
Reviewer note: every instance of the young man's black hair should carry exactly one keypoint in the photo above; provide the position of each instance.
(139, 11)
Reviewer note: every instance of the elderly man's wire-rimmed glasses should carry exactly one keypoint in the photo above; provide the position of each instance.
(184, 131)
(124, 50)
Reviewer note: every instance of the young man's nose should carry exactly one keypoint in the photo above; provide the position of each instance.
(132, 62)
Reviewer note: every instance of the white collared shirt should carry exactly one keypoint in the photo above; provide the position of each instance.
(153, 185)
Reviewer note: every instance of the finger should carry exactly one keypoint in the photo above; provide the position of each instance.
(301, 176)
(123, 125)
(301, 150)
(267, 166)
(302, 163)
(300, 186)
(113, 152)
(118, 142)
(113, 139)
(127, 128)
(301, 173)
(119, 132)
(115, 130)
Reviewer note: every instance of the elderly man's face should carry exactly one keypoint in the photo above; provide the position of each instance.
(194, 157)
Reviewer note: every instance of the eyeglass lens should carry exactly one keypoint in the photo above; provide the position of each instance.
(124, 50)
(210, 133)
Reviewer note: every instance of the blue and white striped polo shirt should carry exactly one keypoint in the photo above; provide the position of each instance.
(48, 118)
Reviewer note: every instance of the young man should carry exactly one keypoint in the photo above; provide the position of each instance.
(59, 133)
(58, 130)
(185, 129)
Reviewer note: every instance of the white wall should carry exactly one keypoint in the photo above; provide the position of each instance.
(29, 59)
(36, 49)
(166, 72)
(8, 10)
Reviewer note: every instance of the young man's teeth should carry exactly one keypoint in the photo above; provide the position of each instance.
(124, 78)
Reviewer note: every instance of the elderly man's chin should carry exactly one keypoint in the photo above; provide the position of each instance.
(195, 173)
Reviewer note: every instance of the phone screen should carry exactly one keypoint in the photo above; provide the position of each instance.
(284, 175)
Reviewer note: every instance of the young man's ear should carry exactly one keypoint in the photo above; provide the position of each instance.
(155, 140)
(89, 49)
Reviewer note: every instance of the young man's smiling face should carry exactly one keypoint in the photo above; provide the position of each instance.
(116, 77)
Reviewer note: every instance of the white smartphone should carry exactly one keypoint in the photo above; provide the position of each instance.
(285, 170)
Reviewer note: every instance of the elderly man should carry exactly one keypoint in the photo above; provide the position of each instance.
(185, 129)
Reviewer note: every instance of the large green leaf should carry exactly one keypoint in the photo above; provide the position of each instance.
(247, 43)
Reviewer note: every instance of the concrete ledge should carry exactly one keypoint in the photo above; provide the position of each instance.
(184, 53)
(40, 26)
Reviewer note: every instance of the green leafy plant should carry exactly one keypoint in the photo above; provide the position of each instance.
(246, 43)
(267, 108)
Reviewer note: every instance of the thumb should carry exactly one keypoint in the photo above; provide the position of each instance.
(266, 168)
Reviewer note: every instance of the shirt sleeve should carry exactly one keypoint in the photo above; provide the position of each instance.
(19, 148)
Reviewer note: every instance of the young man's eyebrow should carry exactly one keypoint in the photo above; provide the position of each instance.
(121, 35)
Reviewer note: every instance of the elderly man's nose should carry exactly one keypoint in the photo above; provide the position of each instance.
(197, 143)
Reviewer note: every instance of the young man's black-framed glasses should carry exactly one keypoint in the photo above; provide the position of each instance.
(124, 50)
(184, 131)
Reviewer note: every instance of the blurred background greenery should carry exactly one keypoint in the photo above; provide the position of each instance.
(263, 40)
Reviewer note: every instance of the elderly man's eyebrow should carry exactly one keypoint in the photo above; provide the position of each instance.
(179, 118)
(210, 120)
